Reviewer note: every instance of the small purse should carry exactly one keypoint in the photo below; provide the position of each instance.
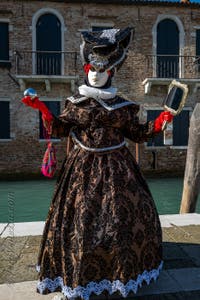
(49, 162)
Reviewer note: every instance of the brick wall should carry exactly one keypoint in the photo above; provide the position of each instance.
(24, 152)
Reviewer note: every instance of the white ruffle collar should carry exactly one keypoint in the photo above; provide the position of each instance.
(96, 93)
(100, 95)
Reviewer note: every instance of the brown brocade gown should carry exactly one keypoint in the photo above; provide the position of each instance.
(102, 231)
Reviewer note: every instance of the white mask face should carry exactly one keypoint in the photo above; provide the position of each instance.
(97, 79)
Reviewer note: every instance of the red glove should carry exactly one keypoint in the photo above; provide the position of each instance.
(37, 104)
(159, 121)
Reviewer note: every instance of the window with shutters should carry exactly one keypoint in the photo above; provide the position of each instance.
(54, 107)
(198, 48)
(4, 120)
(4, 45)
(180, 131)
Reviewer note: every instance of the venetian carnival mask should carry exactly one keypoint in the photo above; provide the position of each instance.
(97, 79)
(106, 49)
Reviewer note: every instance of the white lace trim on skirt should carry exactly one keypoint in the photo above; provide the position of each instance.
(98, 288)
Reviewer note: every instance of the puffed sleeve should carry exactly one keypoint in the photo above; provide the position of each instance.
(133, 130)
(61, 125)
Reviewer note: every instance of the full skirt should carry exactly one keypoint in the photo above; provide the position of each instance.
(102, 230)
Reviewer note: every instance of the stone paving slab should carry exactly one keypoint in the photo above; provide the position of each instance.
(183, 234)
(175, 256)
(193, 251)
(23, 291)
(18, 258)
(186, 279)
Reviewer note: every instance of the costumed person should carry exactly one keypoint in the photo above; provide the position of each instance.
(102, 231)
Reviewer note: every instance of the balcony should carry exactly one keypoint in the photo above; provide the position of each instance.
(162, 69)
(46, 67)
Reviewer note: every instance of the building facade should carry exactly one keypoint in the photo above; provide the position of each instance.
(40, 49)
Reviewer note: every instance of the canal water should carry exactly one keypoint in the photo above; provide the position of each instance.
(26, 201)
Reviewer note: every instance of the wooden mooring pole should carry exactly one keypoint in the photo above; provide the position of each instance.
(191, 186)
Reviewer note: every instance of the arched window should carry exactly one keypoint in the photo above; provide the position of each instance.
(48, 45)
(167, 50)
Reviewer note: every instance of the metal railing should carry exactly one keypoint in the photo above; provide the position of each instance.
(46, 62)
(172, 66)
(68, 63)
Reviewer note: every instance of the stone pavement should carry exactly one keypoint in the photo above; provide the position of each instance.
(180, 278)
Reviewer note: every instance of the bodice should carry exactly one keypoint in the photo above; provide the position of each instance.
(99, 124)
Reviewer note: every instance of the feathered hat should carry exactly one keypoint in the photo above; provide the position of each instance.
(106, 49)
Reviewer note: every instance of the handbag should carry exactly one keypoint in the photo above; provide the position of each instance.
(49, 161)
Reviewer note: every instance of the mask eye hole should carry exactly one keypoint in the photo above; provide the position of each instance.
(95, 70)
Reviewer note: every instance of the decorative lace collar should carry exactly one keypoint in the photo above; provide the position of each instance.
(96, 93)
(100, 95)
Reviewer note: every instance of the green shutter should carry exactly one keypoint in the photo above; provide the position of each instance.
(4, 120)
(181, 129)
(4, 45)
(158, 140)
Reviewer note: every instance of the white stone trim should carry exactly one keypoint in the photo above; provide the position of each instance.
(10, 28)
(181, 40)
(4, 20)
(35, 18)
(6, 140)
(5, 99)
(47, 80)
(152, 107)
(193, 33)
(178, 147)
(161, 108)
(96, 24)
(83, 29)
(36, 228)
